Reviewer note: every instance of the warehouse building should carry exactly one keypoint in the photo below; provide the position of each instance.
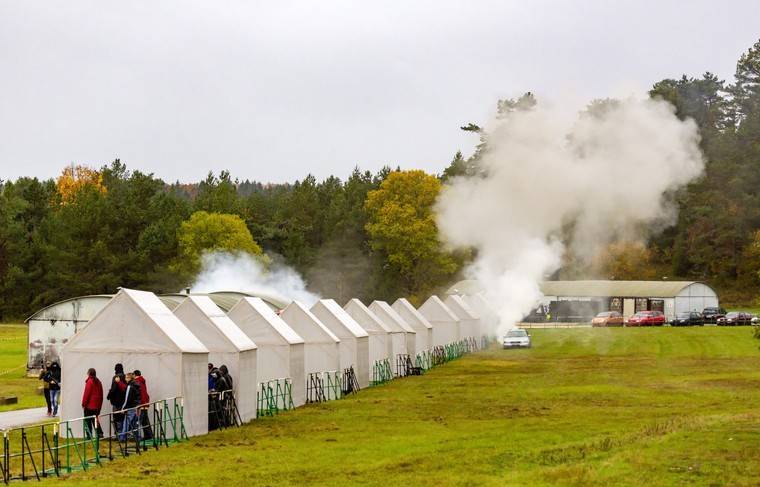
(581, 300)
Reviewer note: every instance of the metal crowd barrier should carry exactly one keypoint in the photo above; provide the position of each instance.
(222, 410)
(381, 372)
(274, 396)
(49, 449)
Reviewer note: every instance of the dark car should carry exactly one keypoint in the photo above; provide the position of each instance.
(735, 318)
(688, 318)
(712, 313)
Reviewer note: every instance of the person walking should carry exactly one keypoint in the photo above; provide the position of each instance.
(130, 406)
(46, 387)
(116, 396)
(144, 418)
(92, 402)
(53, 378)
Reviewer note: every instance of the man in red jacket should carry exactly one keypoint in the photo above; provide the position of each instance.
(92, 402)
(147, 431)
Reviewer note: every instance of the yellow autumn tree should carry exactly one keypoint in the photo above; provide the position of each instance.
(75, 178)
(401, 225)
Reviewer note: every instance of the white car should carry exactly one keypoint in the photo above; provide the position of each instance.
(517, 338)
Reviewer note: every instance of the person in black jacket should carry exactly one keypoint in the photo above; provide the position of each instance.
(227, 386)
(53, 378)
(116, 396)
(130, 405)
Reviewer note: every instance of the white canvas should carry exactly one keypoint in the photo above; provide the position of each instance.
(227, 345)
(138, 331)
(469, 320)
(422, 327)
(354, 340)
(321, 353)
(402, 335)
(379, 335)
(444, 321)
(280, 352)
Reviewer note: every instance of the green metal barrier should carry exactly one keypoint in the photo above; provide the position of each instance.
(381, 372)
(78, 444)
(333, 385)
(274, 396)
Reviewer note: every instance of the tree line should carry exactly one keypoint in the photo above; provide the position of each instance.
(369, 235)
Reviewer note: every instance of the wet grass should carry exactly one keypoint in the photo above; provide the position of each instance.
(622, 406)
(13, 380)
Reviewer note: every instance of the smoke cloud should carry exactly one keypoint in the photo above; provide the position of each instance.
(603, 173)
(221, 271)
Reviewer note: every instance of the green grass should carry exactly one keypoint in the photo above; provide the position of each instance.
(605, 406)
(13, 380)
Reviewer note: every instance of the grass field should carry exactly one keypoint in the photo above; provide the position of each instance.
(622, 406)
(13, 380)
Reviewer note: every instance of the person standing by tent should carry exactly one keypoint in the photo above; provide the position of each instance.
(211, 378)
(130, 406)
(92, 402)
(46, 387)
(116, 395)
(144, 419)
(225, 373)
(53, 378)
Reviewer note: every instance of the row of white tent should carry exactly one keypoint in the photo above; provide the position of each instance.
(173, 347)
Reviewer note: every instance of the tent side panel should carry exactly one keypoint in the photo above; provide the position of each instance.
(361, 366)
(321, 357)
(297, 373)
(195, 392)
(347, 347)
(246, 386)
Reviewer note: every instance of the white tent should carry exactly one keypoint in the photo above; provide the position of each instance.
(469, 320)
(354, 341)
(227, 345)
(445, 322)
(489, 319)
(280, 351)
(137, 330)
(402, 335)
(422, 327)
(379, 334)
(321, 352)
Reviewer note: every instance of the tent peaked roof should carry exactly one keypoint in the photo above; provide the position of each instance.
(306, 324)
(384, 311)
(435, 310)
(340, 314)
(460, 308)
(223, 323)
(277, 323)
(174, 335)
(403, 307)
(162, 318)
(365, 317)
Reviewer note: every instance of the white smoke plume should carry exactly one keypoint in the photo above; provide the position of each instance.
(222, 271)
(605, 170)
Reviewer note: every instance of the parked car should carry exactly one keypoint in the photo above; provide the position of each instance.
(712, 313)
(688, 318)
(735, 318)
(608, 318)
(647, 318)
(517, 338)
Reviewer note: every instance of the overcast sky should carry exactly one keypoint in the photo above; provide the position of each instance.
(275, 90)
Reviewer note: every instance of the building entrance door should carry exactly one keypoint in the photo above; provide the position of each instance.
(628, 307)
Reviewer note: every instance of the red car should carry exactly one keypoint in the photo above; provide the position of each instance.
(647, 318)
